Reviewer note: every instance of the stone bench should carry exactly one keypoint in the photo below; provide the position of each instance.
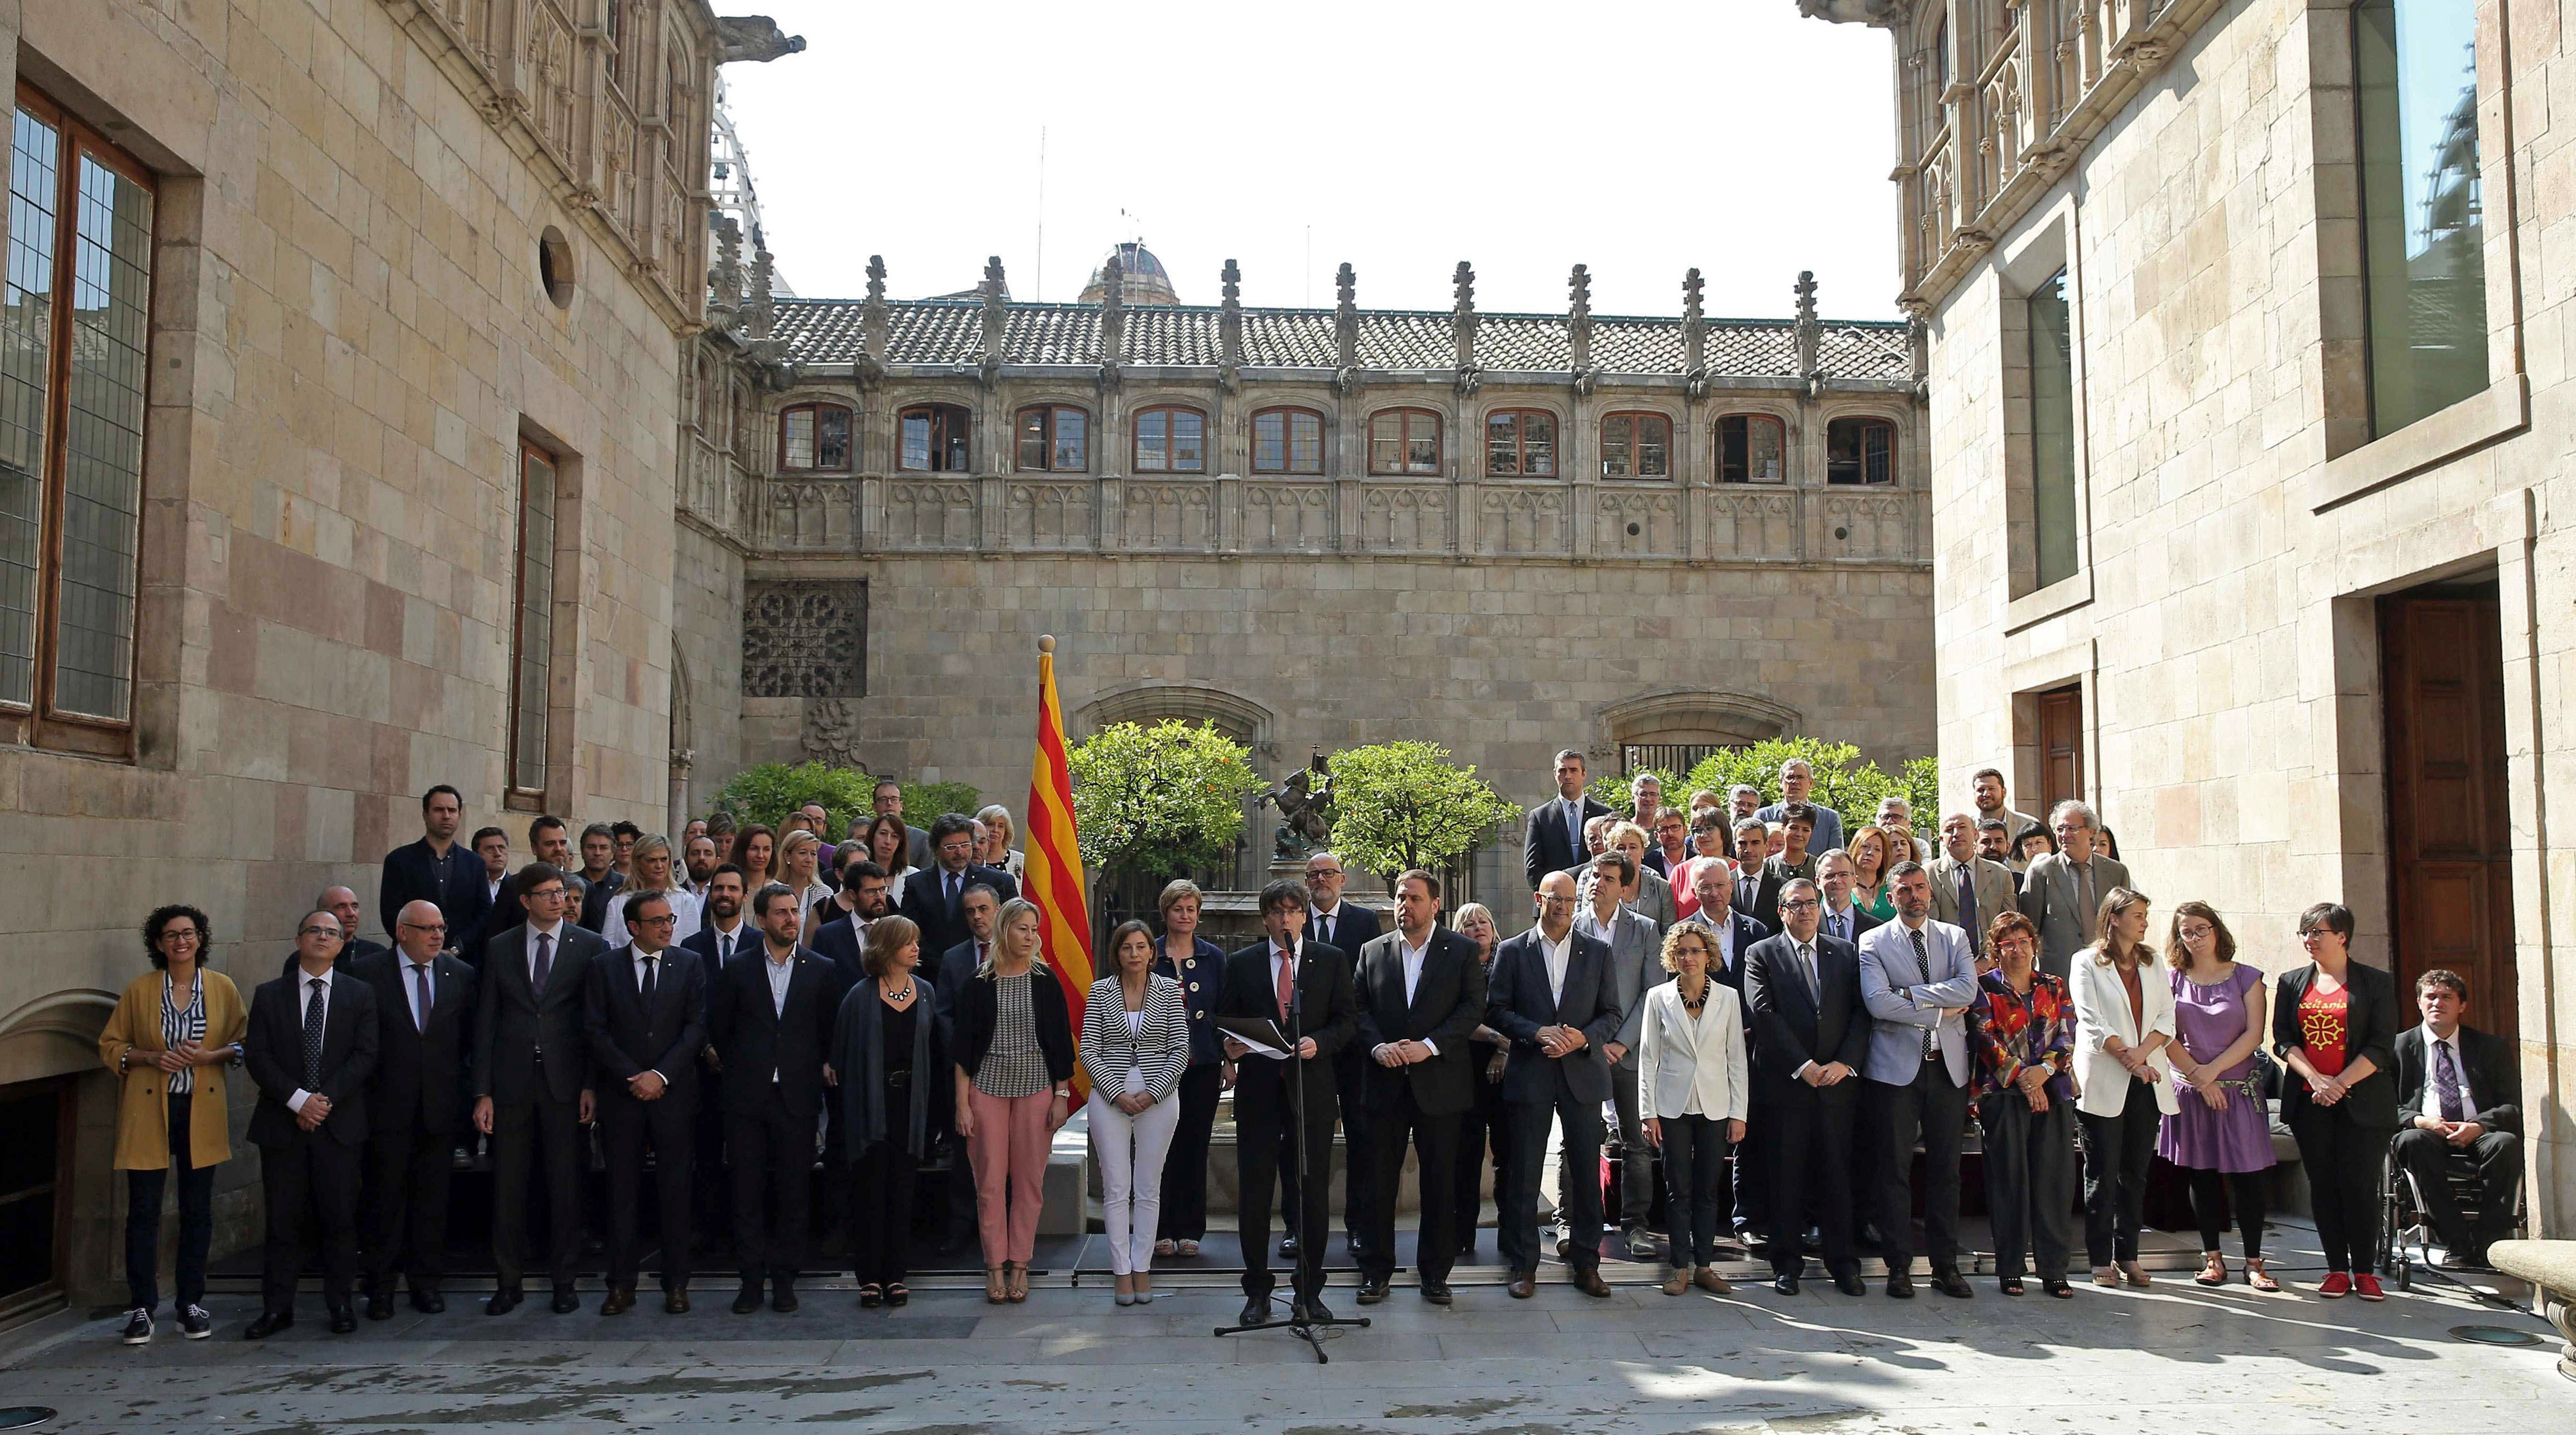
(2550, 1266)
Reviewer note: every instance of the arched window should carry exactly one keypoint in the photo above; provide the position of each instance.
(1860, 451)
(1636, 446)
(1752, 448)
(1055, 439)
(1404, 441)
(1520, 443)
(814, 436)
(934, 438)
(1171, 439)
(1287, 441)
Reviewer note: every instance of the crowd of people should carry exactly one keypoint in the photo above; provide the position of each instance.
(1761, 1014)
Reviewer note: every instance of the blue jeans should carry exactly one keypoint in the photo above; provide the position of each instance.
(143, 1221)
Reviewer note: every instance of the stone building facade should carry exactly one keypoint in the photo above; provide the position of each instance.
(413, 281)
(2251, 402)
(1509, 533)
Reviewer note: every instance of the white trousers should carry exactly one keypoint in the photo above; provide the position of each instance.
(1131, 1150)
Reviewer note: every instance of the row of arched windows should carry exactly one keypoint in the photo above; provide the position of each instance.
(1402, 442)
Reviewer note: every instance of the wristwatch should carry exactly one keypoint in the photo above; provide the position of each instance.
(1065, 1091)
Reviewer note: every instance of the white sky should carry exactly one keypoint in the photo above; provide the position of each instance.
(1640, 137)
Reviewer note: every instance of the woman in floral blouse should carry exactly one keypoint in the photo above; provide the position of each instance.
(2022, 1032)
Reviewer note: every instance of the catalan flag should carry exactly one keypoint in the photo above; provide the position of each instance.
(1051, 872)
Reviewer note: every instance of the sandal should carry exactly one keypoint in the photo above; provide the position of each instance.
(1166, 1246)
(871, 1296)
(1189, 1247)
(2259, 1278)
(2213, 1270)
(2136, 1274)
(994, 1286)
(1018, 1272)
(896, 1294)
(2009, 1285)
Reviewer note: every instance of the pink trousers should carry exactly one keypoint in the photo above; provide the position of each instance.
(1009, 1150)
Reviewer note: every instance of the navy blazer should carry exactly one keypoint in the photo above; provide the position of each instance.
(928, 909)
(1447, 1006)
(1519, 1002)
(703, 942)
(837, 941)
(273, 1050)
(1548, 847)
(626, 1040)
(420, 1075)
(1327, 1011)
(1354, 927)
(454, 883)
(1792, 1027)
(1748, 934)
(754, 1038)
(513, 1025)
(2488, 1063)
(1202, 988)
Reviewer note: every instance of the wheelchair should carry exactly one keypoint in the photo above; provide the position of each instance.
(2408, 1221)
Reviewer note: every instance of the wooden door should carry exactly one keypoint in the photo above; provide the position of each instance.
(2450, 859)
(2061, 748)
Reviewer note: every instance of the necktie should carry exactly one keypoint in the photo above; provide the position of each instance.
(1807, 969)
(952, 894)
(545, 964)
(421, 1002)
(644, 981)
(2084, 898)
(1968, 903)
(724, 949)
(1324, 931)
(1285, 982)
(313, 1038)
(1923, 964)
(2446, 1076)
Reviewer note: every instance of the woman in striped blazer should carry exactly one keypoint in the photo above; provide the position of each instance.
(1135, 1044)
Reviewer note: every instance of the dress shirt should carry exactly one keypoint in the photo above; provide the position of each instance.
(780, 973)
(1838, 924)
(1559, 954)
(2433, 1073)
(727, 943)
(1413, 958)
(1283, 957)
(1722, 936)
(1325, 924)
(554, 948)
(1807, 969)
(304, 981)
(416, 976)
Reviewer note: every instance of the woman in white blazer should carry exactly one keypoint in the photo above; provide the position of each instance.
(2124, 1016)
(1692, 1089)
(1135, 1044)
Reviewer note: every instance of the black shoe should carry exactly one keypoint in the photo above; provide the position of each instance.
(1372, 1290)
(194, 1323)
(748, 1301)
(343, 1321)
(428, 1302)
(620, 1301)
(1436, 1292)
(1316, 1310)
(1900, 1285)
(1256, 1311)
(138, 1327)
(566, 1302)
(270, 1322)
(782, 1299)
(503, 1301)
(1950, 1283)
(2057, 1286)
(1785, 1285)
(1287, 1248)
(1522, 1285)
(380, 1307)
(1851, 1284)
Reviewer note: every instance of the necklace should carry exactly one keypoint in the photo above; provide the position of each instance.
(901, 998)
(1694, 1007)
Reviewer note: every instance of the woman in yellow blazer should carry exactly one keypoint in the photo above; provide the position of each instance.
(173, 1033)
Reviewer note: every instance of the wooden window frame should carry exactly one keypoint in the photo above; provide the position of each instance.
(1521, 442)
(1779, 427)
(1635, 418)
(1404, 417)
(1866, 422)
(1171, 448)
(38, 722)
(518, 796)
(938, 414)
(1050, 436)
(1288, 414)
(816, 407)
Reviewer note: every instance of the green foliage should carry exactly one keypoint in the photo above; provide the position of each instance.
(1843, 781)
(923, 802)
(1159, 800)
(1404, 804)
(771, 792)
(1611, 790)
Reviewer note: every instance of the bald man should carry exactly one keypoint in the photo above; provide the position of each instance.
(340, 902)
(425, 1028)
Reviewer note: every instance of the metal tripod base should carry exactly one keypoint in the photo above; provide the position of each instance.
(1301, 1327)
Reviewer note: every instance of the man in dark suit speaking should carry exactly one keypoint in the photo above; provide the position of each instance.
(1421, 996)
(1557, 1000)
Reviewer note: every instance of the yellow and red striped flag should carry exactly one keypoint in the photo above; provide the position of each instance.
(1051, 869)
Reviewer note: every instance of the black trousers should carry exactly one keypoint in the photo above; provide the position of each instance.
(1578, 1180)
(2030, 1182)
(311, 1186)
(1266, 1156)
(773, 1158)
(626, 1128)
(523, 1132)
(408, 1169)
(1748, 1173)
(1694, 1172)
(1482, 1127)
(1935, 1108)
(1434, 1139)
(1810, 1154)
(2344, 1159)
(2497, 1158)
(2213, 1193)
(711, 1189)
(1184, 1214)
(143, 1191)
(881, 1188)
(1359, 1144)
(2117, 1152)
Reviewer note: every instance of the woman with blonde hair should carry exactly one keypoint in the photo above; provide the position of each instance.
(652, 869)
(1869, 847)
(1488, 1122)
(2124, 1017)
(1692, 1089)
(998, 833)
(1014, 1049)
(1135, 1044)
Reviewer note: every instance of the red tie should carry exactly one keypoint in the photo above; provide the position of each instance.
(1285, 980)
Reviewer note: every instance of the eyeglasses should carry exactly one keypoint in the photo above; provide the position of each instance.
(1553, 902)
(181, 934)
(1325, 872)
(664, 920)
(542, 894)
(318, 932)
(424, 926)
(1799, 904)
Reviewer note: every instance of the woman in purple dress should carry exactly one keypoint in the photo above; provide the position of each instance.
(2221, 1139)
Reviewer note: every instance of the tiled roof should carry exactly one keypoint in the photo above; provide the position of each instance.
(949, 331)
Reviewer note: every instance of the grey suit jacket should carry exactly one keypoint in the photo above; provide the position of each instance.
(1904, 998)
(2050, 897)
(1992, 884)
(1636, 962)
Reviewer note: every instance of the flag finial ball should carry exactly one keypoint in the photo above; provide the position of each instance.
(1046, 644)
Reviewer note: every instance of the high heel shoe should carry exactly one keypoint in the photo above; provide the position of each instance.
(2136, 1274)
(1017, 1273)
(995, 1287)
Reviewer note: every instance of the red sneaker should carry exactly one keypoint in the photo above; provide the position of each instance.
(2367, 1287)
(2335, 1285)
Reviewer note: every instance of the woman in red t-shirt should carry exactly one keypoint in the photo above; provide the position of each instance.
(2334, 1025)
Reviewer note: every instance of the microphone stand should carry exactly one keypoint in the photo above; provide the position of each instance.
(1300, 1322)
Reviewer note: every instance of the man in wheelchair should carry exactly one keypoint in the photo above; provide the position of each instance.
(2460, 1109)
